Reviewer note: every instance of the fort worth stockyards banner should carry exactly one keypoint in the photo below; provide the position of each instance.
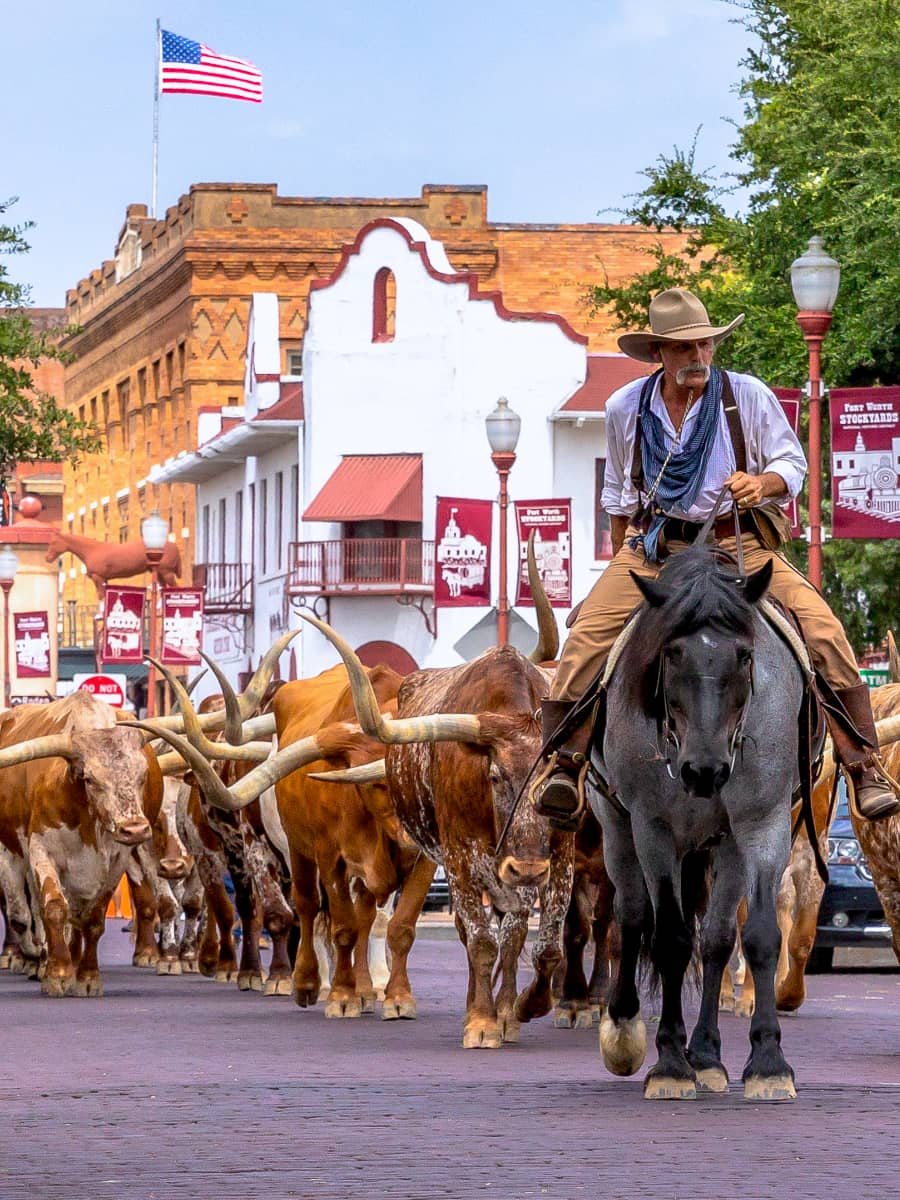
(123, 625)
(551, 521)
(32, 634)
(182, 626)
(462, 553)
(865, 462)
(790, 402)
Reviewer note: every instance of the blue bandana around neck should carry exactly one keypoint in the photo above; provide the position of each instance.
(685, 471)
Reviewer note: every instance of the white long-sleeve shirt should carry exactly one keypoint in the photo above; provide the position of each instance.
(771, 444)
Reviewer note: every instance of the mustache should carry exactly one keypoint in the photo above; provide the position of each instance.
(694, 368)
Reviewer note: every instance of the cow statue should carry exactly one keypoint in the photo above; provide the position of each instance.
(115, 560)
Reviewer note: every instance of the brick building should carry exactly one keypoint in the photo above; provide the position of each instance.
(163, 325)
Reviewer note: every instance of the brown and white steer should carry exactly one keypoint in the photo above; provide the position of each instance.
(465, 743)
(78, 791)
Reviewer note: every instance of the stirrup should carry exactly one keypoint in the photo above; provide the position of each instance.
(558, 796)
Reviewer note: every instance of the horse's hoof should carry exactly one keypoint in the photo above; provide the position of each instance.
(769, 1087)
(623, 1044)
(669, 1087)
(401, 1009)
(712, 1079)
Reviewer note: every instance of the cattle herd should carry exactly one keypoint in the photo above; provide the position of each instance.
(328, 801)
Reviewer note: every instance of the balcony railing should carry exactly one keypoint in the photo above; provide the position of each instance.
(389, 566)
(229, 586)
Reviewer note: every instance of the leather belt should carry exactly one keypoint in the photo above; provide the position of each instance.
(677, 530)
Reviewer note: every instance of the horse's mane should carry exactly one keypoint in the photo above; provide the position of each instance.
(702, 594)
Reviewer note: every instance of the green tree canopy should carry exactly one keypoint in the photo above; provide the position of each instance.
(818, 151)
(33, 425)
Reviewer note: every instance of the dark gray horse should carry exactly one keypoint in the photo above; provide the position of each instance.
(700, 757)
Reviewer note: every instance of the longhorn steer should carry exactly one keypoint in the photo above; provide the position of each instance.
(455, 800)
(79, 791)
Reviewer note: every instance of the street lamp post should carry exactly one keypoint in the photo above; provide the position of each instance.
(155, 533)
(503, 427)
(814, 281)
(9, 564)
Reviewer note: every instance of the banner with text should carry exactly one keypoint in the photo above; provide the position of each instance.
(551, 521)
(182, 611)
(865, 462)
(32, 634)
(790, 402)
(123, 625)
(462, 553)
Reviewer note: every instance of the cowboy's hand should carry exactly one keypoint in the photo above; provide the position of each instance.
(750, 490)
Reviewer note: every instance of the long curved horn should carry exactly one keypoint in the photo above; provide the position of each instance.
(440, 727)
(233, 732)
(195, 735)
(172, 763)
(547, 647)
(893, 657)
(253, 693)
(51, 745)
(373, 772)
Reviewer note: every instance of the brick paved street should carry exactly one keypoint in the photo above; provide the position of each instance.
(179, 1087)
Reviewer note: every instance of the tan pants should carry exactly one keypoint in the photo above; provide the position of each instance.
(615, 594)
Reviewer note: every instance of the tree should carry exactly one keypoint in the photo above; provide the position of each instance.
(819, 151)
(33, 425)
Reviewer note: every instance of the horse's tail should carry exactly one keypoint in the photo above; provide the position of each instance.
(662, 936)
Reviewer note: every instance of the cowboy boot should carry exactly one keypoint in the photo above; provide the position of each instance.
(558, 793)
(875, 797)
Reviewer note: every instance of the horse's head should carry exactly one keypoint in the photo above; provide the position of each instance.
(697, 639)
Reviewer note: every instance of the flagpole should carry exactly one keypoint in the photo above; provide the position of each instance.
(155, 184)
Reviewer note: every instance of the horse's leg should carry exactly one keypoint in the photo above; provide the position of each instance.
(623, 1035)
(717, 941)
(767, 1075)
(672, 1077)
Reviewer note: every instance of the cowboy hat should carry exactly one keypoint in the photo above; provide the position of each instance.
(675, 316)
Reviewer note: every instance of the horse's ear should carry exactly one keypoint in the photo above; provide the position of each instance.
(654, 593)
(755, 585)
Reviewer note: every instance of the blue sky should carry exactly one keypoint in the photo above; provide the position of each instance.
(555, 106)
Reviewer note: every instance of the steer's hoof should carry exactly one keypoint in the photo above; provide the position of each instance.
(769, 1087)
(57, 986)
(398, 1008)
(277, 986)
(168, 966)
(623, 1044)
(340, 1007)
(189, 966)
(88, 985)
(5, 961)
(226, 975)
(712, 1079)
(743, 1007)
(144, 958)
(250, 981)
(482, 1034)
(306, 997)
(669, 1087)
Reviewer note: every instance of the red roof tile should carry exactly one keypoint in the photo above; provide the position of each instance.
(288, 406)
(371, 487)
(605, 374)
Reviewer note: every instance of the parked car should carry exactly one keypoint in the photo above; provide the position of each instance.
(439, 893)
(850, 913)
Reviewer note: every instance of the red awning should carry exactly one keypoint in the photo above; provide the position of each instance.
(605, 374)
(371, 487)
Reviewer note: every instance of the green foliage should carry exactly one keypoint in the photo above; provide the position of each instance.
(33, 425)
(819, 151)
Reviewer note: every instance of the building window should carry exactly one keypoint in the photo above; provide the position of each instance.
(204, 534)
(238, 525)
(221, 531)
(279, 518)
(294, 519)
(295, 362)
(602, 528)
(384, 306)
(263, 525)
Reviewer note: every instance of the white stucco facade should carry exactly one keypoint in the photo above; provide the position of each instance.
(424, 389)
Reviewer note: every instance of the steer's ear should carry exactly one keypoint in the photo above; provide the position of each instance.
(655, 593)
(755, 585)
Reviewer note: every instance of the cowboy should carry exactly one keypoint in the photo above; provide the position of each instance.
(674, 441)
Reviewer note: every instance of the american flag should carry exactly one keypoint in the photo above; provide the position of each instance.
(188, 66)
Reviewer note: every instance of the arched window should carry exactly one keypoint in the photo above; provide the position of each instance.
(384, 306)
